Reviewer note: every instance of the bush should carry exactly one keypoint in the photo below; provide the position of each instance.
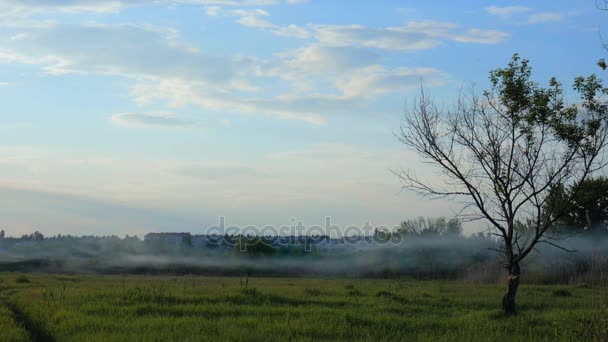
(384, 294)
(394, 297)
(252, 291)
(355, 293)
(22, 279)
(562, 293)
(312, 292)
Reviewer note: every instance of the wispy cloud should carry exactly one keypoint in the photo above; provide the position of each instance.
(207, 172)
(18, 8)
(507, 11)
(338, 71)
(151, 120)
(415, 35)
(550, 17)
(213, 82)
(242, 3)
(528, 14)
(53, 49)
(256, 18)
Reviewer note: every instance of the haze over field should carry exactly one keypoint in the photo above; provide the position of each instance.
(135, 116)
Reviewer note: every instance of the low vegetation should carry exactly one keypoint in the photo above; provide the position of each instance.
(189, 308)
(10, 327)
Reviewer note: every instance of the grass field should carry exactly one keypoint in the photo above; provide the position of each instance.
(190, 308)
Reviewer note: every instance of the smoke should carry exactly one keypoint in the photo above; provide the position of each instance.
(427, 257)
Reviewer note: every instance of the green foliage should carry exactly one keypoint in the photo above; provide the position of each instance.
(588, 212)
(529, 106)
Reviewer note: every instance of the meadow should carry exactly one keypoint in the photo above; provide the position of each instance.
(51, 307)
(192, 308)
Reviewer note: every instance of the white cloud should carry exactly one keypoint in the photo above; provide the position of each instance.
(19, 36)
(352, 73)
(17, 8)
(233, 2)
(335, 75)
(254, 18)
(376, 79)
(180, 93)
(217, 171)
(213, 11)
(291, 31)
(507, 11)
(318, 60)
(250, 13)
(532, 18)
(415, 35)
(160, 120)
(254, 21)
(136, 52)
(23, 9)
(549, 17)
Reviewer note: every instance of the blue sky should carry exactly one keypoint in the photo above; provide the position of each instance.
(130, 116)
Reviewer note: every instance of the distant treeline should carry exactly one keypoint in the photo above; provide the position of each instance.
(427, 248)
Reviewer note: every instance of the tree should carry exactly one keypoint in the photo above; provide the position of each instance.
(2, 234)
(502, 152)
(453, 228)
(430, 227)
(37, 236)
(588, 213)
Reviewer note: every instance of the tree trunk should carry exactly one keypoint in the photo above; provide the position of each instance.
(508, 300)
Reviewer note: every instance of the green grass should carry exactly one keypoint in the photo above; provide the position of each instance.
(10, 329)
(140, 308)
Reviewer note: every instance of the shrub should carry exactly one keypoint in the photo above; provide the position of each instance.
(562, 293)
(392, 296)
(251, 291)
(312, 292)
(355, 293)
(384, 294)
(22, 279)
